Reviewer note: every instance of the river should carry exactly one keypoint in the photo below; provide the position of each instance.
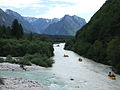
(86, 75)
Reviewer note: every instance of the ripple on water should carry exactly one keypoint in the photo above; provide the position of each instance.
(46, 78)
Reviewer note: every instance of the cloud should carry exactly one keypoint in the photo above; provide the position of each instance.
(55, 8)
(79, 7)
(57, 11)
(73, 1)
(18, 3)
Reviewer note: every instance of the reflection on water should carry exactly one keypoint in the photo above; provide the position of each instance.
(86, 75)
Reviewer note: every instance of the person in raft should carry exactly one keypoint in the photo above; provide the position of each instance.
(111, 75)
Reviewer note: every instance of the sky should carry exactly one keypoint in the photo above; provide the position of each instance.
(53, 8)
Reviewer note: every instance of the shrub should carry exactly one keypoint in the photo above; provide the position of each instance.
(38, 59)
(1, 60)
(24, 61)
(10, 59)
(18, 48)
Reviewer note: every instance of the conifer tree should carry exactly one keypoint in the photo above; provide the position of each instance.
(17, 29)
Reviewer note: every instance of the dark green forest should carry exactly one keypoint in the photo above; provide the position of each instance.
(28, 48)
(99, 39)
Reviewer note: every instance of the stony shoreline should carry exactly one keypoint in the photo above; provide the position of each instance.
(11, 83)
(20, 84)
(16, 67)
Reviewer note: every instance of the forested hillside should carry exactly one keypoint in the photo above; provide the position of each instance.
(100, 38)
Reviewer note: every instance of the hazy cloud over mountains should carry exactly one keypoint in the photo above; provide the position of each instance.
(53, 8)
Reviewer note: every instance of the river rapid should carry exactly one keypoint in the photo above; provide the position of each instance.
(85, 75)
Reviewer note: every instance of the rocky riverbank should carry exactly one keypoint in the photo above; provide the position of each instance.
(16, 67)
(20, 84)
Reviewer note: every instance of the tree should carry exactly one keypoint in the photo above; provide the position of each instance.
(8, 32)
(30, 36)
(15, 26)
(97, 52)
(21, 30)
(17, 29)
(113, 52)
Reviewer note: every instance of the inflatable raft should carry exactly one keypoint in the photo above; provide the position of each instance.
(66, 55)
(112, 77)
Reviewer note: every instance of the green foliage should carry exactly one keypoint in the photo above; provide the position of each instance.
(97, 52)
(27, 50)
(96, 40)
(25, 47)
(28, 59)
(31, 36)
(81, 47)
(59, 38)
(38, 59)
(23, 61)
(22, 47)
(1, 60)
(10, 59)
(69, 43)
(5, 32)
(113, 52)
(17, 29)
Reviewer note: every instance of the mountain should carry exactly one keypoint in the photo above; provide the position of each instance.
(5, 19)
(26, 25)
(99, 39)
(30, 19)
(40, 24)
(68, 25)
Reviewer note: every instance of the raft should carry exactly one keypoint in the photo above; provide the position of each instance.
(66, 56)
(80, 59)
(113, 78)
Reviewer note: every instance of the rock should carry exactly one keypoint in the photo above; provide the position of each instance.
(16, 67)
(19, 84)
(71, 79)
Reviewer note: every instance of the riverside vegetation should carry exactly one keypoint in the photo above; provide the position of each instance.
(27, 48)
(99, 39)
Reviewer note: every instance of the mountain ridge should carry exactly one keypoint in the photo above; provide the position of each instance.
(5, 19)
(26, 25)
(67, 25)
(40, 24)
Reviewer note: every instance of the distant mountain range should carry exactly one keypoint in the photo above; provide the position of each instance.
(40, 24)
(68, 25)
(26, 25)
